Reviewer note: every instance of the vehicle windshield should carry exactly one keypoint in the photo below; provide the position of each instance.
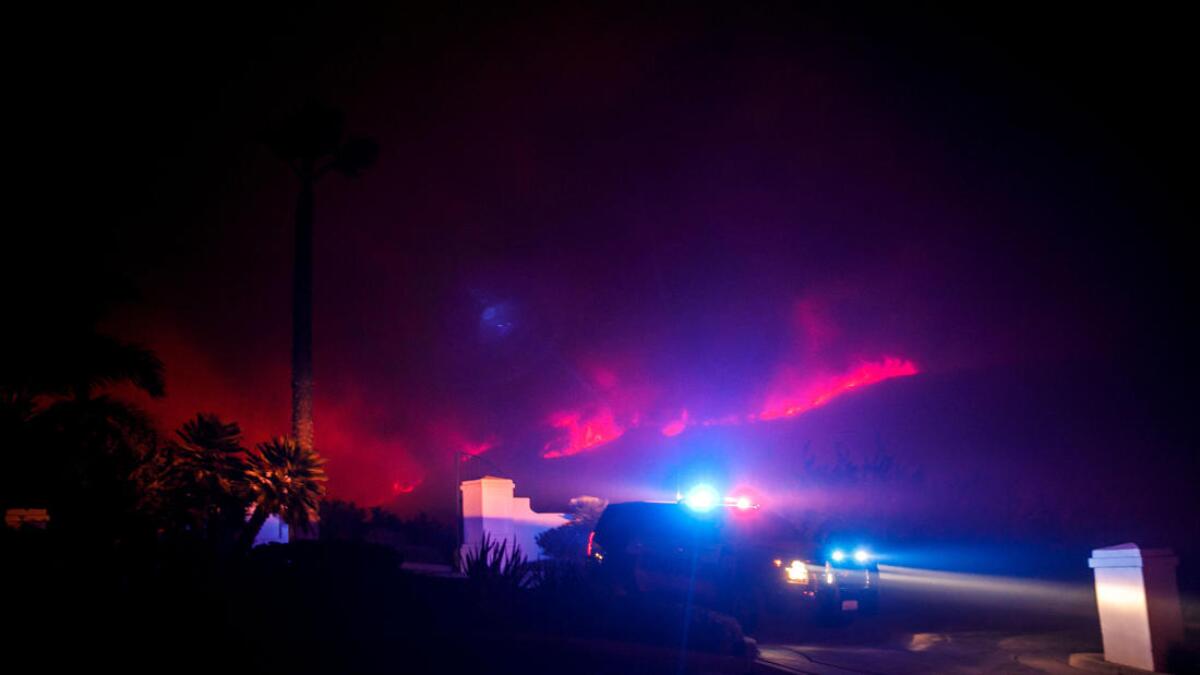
(674, 523)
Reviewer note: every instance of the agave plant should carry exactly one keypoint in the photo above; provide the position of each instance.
(284, 479)
(494, 567)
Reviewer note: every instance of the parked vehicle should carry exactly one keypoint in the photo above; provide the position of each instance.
(732, 557)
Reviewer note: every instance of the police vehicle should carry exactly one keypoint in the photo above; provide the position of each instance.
(729, 555)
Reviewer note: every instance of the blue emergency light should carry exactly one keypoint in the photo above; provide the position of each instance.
(702, 498)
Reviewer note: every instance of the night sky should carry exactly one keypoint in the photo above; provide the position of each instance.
(615, 250)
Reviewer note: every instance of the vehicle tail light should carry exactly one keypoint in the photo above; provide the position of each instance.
(594, 550)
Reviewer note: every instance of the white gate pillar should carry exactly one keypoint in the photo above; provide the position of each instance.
(1138, 600)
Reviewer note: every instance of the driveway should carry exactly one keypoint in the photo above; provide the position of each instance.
(981, 652)
(937, 622)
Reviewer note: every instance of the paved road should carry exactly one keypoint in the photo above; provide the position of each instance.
(983, 652)
(937, 622)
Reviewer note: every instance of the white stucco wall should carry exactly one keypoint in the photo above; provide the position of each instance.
(490, 505)
(274, 531)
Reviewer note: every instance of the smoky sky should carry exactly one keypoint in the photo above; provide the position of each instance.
(612, 218)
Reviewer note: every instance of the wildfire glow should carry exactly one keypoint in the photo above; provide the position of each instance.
(579, 432)
(584, 430)
(796, 400)
(469, 450)
(403, 488)
(676, 426)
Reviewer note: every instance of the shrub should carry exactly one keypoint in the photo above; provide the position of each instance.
(569, 541)
(341, 520)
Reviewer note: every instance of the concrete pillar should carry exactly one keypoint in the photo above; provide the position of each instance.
(1140, 615)
(489, 506)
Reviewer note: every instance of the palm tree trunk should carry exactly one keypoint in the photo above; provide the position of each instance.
(302, 378)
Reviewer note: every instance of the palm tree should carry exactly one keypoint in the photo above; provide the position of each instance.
(285, 479)
(311, 143)
(198, 483)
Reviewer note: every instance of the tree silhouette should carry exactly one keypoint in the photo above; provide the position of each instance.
(198, 484)
(78, 443)
(569, 541)
(312, 144)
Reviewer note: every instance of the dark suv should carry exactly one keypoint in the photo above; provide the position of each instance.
(743, 561)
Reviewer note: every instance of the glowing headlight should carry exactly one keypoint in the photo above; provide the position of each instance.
(702, 498)
(861, 556)
(838, 555)
(797, 572)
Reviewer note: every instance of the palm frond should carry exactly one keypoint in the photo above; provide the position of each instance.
(310, 133)
(113, 362)
(209, 432)
(287, 479)
(355, 155)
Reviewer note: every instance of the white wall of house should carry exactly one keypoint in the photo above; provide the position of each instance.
(274, 531)
(489, 505)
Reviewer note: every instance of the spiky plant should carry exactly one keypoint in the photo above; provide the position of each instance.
(285, 479)
(495, 567)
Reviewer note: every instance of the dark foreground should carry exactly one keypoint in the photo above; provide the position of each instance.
(348, 608)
